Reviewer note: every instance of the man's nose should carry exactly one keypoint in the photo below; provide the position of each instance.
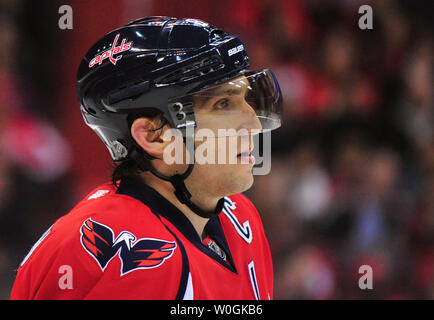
(251, 122)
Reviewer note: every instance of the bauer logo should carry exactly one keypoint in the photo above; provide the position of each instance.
(110, 54)
(235, 50)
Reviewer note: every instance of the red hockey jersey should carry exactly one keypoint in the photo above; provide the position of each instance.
(131, 243)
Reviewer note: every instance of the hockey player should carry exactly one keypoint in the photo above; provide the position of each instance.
(152, 90)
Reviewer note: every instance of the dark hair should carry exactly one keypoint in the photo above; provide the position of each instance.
(137, 160)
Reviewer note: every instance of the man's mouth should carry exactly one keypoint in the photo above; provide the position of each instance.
(246, 157)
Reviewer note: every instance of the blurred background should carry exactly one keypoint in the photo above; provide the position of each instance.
(352, 178)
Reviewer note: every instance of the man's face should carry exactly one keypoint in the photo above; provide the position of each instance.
(223, 142)
(227, 117)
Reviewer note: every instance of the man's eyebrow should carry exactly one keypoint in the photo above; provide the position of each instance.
(223, 91)
(220, 92)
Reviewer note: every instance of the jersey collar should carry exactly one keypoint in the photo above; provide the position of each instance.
(160, 206)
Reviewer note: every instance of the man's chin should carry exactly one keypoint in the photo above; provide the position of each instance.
(241, 181)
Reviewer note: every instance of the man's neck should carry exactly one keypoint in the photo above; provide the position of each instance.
(166, 189)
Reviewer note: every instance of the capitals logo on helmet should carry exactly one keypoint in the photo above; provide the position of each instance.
(111, 52)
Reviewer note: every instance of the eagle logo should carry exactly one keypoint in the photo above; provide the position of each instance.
(144, 253)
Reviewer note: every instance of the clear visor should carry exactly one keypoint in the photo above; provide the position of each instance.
(246, 105)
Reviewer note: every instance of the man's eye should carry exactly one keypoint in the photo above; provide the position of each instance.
(221, 104)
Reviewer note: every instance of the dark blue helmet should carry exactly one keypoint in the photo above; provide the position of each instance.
(153, 63)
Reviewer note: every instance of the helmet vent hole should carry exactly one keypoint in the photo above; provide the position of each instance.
(216, 35)
(197, 69)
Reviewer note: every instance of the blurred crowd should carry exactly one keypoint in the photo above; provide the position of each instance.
(34, 155)
(352, 175)
(352, 178)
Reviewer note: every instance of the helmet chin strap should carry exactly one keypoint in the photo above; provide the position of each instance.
(177, 180)
(181, 191)
(184, 196)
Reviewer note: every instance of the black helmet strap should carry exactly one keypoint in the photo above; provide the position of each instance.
(181, 191)
(184, 196)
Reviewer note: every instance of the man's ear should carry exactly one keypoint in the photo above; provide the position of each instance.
(142, 130)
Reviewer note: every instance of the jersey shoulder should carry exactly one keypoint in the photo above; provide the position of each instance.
(107, 239)
(112, 214)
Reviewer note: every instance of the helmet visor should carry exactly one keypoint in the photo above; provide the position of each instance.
(246, 105)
